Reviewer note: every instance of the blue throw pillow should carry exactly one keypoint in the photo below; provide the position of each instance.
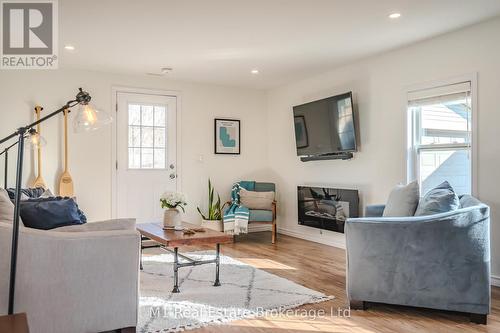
(50, 213)
(440, 199)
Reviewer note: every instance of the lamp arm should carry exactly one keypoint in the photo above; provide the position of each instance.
(24, 129)
(8, 148)
(68, 105)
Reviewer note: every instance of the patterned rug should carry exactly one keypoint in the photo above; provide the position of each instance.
(245, 292)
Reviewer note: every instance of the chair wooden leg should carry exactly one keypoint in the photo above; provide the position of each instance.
(274, 232)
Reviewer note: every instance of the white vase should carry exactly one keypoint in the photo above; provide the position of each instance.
(172, 218)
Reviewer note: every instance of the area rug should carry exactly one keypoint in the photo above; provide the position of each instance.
(245, 292)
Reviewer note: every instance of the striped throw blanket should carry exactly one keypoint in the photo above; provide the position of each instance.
(236, 216)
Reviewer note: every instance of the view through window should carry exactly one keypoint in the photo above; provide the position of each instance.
(441, 136)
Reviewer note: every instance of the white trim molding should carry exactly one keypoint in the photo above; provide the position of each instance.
(495, 280)
(321, 240)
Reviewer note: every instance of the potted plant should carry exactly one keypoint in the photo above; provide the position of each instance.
(172, 216)
(212, 220)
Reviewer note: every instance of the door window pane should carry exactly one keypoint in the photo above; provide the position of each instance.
(134, 136)
(134, 114)
(159, 116)
(159, 137)
(146, 136)
(147, 115)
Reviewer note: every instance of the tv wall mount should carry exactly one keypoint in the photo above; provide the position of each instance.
(332, 156)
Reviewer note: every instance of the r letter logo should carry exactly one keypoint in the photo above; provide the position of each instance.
(29, 35)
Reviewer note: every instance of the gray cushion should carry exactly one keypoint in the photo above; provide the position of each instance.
(256, 200)
(259, 215)
(403, 200)
(440, 199)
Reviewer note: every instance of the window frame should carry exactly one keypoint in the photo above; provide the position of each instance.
(412, 151)
(165, 127)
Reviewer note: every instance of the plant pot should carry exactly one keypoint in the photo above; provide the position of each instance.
(172, 218)
(216, 225)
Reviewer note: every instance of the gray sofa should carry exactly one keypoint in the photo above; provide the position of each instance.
(438, 261)
(74, 279)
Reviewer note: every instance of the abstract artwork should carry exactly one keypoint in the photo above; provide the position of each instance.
(227, 136)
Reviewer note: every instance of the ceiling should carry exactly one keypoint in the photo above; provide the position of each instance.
(221, 41)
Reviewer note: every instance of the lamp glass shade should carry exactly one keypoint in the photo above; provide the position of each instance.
(89, 118)
(36, 140)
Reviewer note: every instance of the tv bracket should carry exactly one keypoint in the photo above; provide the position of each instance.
(332, 156)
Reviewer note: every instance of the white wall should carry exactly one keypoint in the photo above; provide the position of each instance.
(379, 87)
(90, 153)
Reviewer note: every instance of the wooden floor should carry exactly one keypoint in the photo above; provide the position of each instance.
(322, 268)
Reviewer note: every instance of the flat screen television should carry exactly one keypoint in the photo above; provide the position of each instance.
(325, 127)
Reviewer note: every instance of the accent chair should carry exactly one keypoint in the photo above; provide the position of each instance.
(265, 217)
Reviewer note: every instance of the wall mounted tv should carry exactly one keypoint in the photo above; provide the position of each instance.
(325, 128)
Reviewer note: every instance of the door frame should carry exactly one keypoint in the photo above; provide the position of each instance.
(114, 140)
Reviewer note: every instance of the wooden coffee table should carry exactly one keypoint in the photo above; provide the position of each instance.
(171, 240)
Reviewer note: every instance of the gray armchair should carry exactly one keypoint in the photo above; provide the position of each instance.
(439, 261)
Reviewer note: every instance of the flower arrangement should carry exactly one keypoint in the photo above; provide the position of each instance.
(173, 200)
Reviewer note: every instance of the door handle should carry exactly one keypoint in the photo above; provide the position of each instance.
(173, 175)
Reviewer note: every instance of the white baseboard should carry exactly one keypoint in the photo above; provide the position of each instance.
(495, 281)
(311, 238)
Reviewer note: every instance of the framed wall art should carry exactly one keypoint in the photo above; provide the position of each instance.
(227, 136)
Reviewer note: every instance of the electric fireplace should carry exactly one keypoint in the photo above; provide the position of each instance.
(326, 208)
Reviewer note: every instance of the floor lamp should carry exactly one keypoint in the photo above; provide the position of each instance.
(87, 118)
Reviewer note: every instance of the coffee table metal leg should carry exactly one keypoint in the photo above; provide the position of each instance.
(176, 271)
(141, 256)
(217, 263)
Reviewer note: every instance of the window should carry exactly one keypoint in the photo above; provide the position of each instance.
(440, 136)
(146, 136)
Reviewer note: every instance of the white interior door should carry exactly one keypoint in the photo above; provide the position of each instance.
(146, 154)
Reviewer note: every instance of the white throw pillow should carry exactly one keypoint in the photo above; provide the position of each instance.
(256, 200)
(403, 200)
(6, 208)
(47, 194)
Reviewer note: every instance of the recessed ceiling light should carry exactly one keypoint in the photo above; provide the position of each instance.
(254, 71)
(395, 15)
(69, 47)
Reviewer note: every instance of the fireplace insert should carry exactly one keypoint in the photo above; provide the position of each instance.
(326, 208)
